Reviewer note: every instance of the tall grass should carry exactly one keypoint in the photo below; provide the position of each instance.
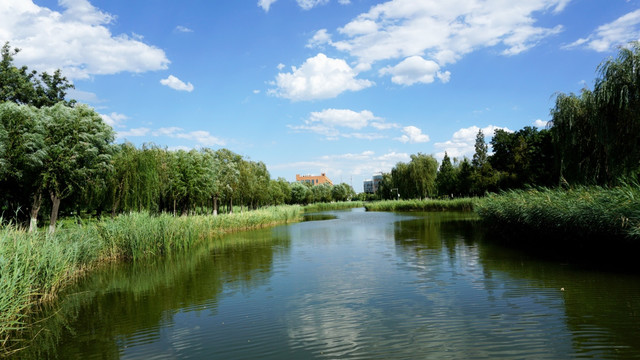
(333, 206)
(463, 204)
(576, 214)
(35, 266)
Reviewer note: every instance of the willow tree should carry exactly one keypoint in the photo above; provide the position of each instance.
(617, 124)
(22, 126)
(77, 146)
(597, 134)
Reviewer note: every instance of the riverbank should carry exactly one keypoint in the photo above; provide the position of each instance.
(463, 204)
(34, 267)
(343, 205)
(578, 215)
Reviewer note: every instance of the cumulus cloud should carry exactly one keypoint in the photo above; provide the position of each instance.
(413, 135)
(618, 32)
(114, 119)
(320, 38)
(77, 40)
(463, 141)
(319, 77)
(540, 123)
(176, 84)
(415, 69)
(426, 34)
(343, 117)
(329, 121)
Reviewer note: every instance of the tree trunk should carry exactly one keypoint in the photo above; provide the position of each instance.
(55, 206)
(35, 208)
(231, 205)
(215, 206)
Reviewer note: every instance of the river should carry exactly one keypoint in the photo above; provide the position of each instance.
(346, 285)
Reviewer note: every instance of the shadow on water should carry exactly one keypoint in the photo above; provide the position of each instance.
(600, 309)
(318, 217)
(123, 304)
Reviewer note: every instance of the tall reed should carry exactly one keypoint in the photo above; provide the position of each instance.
(463, 204)
(341, 205)
(576, 214)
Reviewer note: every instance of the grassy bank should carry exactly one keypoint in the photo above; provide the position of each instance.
(333, 206)
(35, 266)
(576, 215)
(463, 204)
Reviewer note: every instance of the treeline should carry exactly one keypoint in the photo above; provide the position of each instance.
(592, 139)
(56, 154)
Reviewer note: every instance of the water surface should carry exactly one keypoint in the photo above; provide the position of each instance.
(351, 285)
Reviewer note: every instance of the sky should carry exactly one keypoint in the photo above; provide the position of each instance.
(343, 87)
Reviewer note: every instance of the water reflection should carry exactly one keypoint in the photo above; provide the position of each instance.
(129, 304)
(358, 286)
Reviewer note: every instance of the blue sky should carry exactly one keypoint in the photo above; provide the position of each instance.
(344, 87)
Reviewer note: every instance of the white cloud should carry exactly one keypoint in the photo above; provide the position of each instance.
(619, 32)
(415, 69)
(183, 29)
(114, 119)
(77, 40)
(281, 66)
(310, 4)
(343, 117)
(320, 38)
(413, 135)
(137, 132)
(540, 123)
(344, 2)
(327, 123)
(463, 141)
(320, 77)
(265, 4)
(176, 84)
(441, 33)
(202, 137)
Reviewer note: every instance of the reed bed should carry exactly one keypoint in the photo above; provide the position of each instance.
(463, 204)
(342, 205)
(579, 214)
(35, 266)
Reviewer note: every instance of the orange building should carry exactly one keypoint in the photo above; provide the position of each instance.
(313, 179)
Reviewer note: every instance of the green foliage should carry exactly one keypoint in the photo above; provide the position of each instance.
(597, 134)
(340, 205)
(461, 204)
(21, 86)
(577, 214)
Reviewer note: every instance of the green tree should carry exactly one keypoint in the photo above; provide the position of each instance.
(23, 157)
(21, 86)
(77, 144)
(446, 178)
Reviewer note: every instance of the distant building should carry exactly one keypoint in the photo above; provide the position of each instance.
(371, 185)
(314, 179)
